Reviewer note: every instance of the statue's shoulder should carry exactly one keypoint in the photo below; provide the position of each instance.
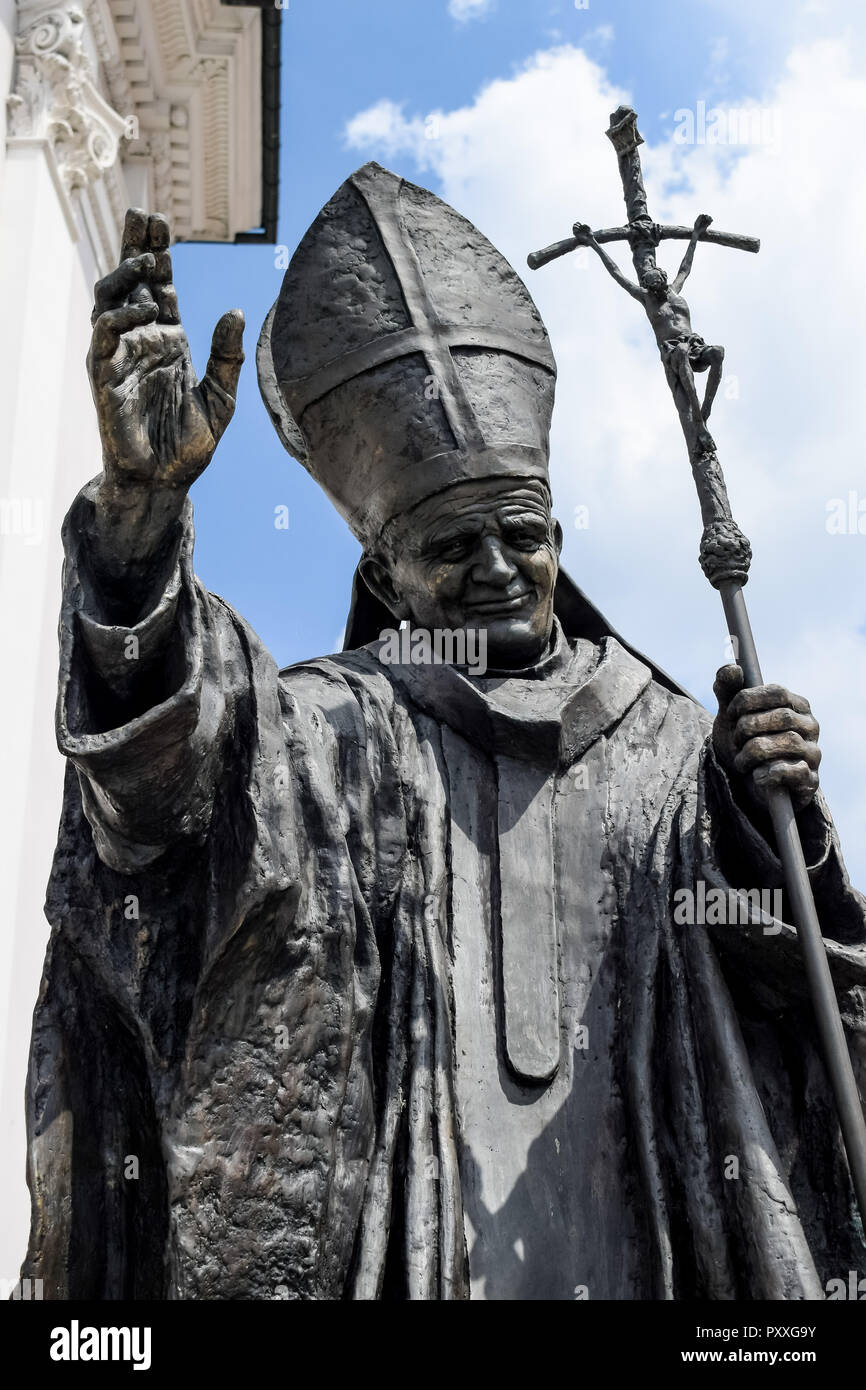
(344, 687)
(359, 666)
(678, 710)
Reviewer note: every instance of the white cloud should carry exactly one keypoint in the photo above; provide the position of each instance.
(383, 127)
(464, 10)
(524, 161)
(603, 34)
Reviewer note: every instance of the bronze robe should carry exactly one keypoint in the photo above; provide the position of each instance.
(374, 972)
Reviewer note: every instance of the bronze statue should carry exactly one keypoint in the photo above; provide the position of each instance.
(374, 968)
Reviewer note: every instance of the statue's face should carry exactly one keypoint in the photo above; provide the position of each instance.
(656, 281)
(480, 556)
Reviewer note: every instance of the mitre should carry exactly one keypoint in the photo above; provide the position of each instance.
(404, 354)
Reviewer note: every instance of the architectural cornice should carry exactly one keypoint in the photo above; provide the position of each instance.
(56, 100)
(192, 69)
(151, 101)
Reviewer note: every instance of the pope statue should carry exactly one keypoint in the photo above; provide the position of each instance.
(382, 978)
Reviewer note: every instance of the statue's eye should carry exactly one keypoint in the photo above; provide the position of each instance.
(529, 539)
(454, 548)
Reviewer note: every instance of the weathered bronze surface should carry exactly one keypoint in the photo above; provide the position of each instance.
(383, 971)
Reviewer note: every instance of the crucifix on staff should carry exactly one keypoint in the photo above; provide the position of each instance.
(683, 352)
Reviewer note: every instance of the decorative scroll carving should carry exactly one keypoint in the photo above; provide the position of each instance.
(55, 98)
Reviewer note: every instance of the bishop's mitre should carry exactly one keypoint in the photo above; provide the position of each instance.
(404, 354)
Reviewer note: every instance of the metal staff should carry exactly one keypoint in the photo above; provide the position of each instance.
(725, 556)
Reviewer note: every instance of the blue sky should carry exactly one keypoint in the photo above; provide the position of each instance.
(523, 90)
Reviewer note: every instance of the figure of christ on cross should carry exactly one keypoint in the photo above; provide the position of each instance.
(682, 352)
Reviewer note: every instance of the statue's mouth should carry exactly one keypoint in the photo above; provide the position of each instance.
(493, 608)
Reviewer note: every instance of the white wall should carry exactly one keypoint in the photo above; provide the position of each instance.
(48, 448)
(7, 58)
(54, 244)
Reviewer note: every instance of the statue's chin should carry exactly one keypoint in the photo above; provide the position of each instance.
(514, 645)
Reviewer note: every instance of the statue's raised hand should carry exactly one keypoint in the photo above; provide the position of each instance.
(159, 424)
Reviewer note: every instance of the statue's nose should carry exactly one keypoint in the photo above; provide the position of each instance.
(492, 565)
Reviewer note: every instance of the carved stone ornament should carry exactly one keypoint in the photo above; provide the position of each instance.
(55, 98)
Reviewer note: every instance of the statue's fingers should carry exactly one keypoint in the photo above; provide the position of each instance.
(161, 268)
(167, 305)
(774, 747)
(110, 325)
(728, 682)
(798, 778)
(158, 232)
(114, 288)
(163, 290)
(219, 384)
(763, 697)
(142, 294)
(134, 243)
(134, 238)
(771, 748)
(776, 721)
(224, 363)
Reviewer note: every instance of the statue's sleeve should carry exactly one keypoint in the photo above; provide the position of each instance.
(735, 850)
(747, 1105)
(144, 710)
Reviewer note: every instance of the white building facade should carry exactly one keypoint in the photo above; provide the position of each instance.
(170, 105)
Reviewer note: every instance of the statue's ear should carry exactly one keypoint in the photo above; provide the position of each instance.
(379, 580)
(368, 616)
(557, 536)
